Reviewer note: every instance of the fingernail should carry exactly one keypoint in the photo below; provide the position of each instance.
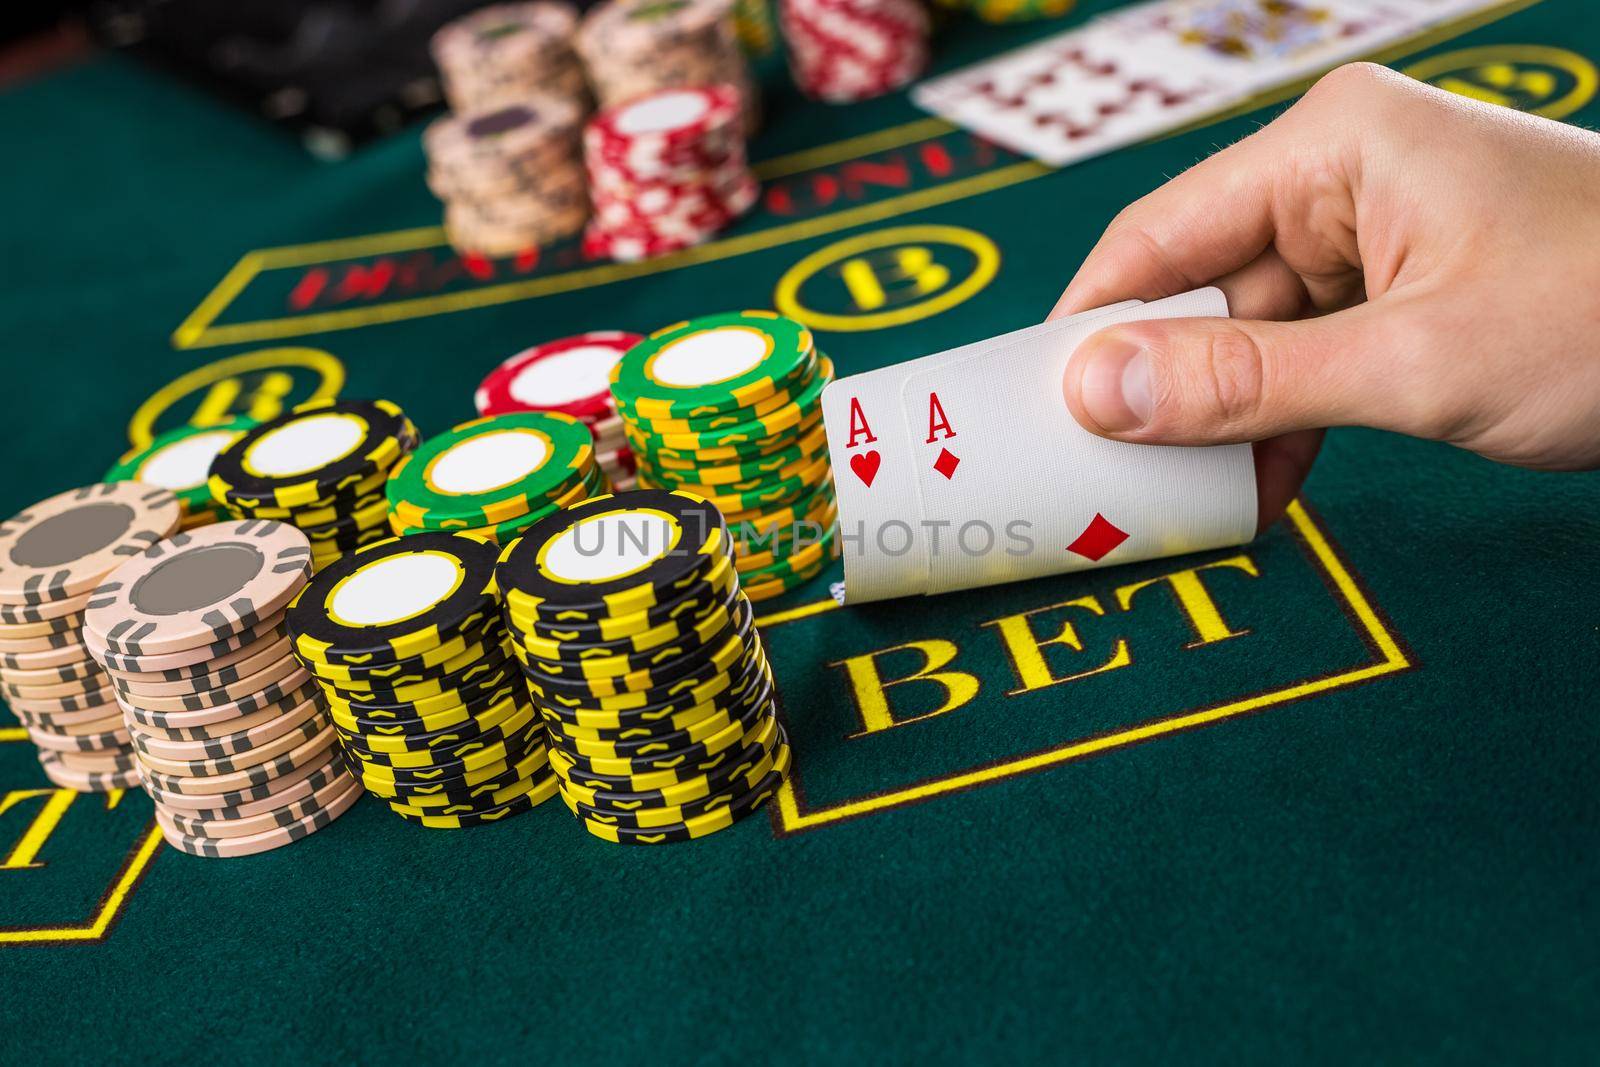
(1116, 386)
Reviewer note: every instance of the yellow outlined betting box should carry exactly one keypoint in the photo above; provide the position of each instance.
(793, 816)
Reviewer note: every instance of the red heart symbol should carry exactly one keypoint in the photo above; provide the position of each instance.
(866, 464)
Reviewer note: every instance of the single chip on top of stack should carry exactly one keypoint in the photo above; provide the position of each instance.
(231, 738)
(642, 656)
(505, 52)
(728, 407)
(667, 171)
(495, 476)
(180, 460)
(511, 175)
(321, 467)
(570, 375)
(52, 556)
(631, 48)
(842, 51)
(407, 641)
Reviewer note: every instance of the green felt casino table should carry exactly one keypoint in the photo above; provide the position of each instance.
(1326, 796)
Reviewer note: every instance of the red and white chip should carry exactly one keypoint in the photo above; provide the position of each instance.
(667, 171)
(571, 375)
(842, 51)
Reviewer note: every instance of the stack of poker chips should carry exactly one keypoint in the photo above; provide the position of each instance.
(632, 48)
(642, 656)
(52, 556)
(495, 476)
(406, 640)
(321, 467)
(180, 460)
(570, 375)
(504, 52)
(511, 175)
(231, 738)
(728, 407)
(667, 171)
(842, 51)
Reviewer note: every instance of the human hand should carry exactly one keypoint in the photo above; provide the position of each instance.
(1394, 256)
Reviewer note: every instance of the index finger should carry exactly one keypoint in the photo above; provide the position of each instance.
(1212, 220)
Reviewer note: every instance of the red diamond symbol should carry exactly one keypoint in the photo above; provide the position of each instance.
(1097, 539)
(947, 463)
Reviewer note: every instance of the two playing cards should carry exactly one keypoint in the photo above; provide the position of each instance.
(965, 469)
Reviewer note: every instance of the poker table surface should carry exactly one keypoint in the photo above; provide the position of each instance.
(1329, 795)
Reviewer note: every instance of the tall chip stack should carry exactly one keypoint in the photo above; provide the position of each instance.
(843, 51)
(642, 656)
(505, 52)
(407, 641)
(231, 738)
(495, 476)
(728, 407)
(321, 467)
(667, 171)
(511, 175)
(52, 556)
(632, 48)
(570, 375)
(180, 460)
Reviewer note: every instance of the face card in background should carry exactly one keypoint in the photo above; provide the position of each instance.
(1005, 450)
(873, 476)
(1080, 94)
(1261, 44)
(1144, 70)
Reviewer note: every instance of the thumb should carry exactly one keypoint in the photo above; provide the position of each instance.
(1216, 381)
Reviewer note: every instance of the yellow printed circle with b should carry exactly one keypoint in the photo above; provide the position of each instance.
(887, 278)
(260, 384)
(1550, 82)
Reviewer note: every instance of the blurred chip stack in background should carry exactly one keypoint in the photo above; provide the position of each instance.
(842, 51)
(511, 176)
(505, 52)
(634, 47)
(667, 171)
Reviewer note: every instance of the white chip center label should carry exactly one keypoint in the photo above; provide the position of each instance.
(306, 445)
(710, 357)
(668, 111)
(576, 374)
(395, 589)
(489, 461)
(187, 463)
(606, 547)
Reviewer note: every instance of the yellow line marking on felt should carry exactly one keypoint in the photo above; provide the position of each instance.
(851, 148)
(607, 273)
(97, 927)
(1393, 660)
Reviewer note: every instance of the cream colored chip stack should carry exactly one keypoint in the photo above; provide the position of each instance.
(505, 52)
(52, 556)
